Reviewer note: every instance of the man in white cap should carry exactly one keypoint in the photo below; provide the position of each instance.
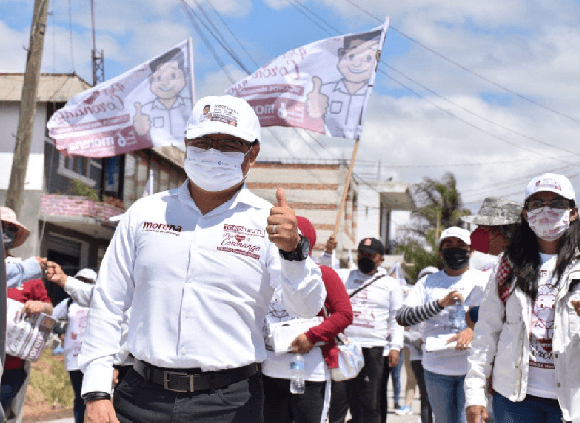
(440, 300)
(198, 265)
(14, 234)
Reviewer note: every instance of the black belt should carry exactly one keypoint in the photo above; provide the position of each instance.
(193, 380)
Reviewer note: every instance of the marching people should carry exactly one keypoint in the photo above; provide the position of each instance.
(199, 264)
(529, 325)
(317, 346)
(440, 300)
(374, 309)
(70, 311)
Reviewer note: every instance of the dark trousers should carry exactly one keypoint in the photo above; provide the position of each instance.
(139, 401)
(76, 380)
(426, 412)
(282, 406)
(362, 393)
(531, 409)
(12, 381)
(384, 388)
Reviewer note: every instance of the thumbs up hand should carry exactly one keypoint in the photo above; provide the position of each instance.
(141, 122)
(282, 225)
(316, 102)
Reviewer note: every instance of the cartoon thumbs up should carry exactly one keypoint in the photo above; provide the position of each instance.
(316, 102)
(282, 225)
(141, 122)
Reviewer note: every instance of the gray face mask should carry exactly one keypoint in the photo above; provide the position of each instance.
(8, 236)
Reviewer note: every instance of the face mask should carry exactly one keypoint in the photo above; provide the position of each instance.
(8, 237)
(549, 224)
(213, 170)
(456, 258)
(366, 265)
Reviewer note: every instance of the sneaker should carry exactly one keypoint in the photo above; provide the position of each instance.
(404, 410)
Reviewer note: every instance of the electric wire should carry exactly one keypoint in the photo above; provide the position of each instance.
(72, 57)
(530, 100)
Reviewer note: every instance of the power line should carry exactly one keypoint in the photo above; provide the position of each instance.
(466, 122)
(72, 57)
(465, 68)
(477, 115)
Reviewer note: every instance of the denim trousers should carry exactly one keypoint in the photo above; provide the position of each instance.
(446, 397)
(531, 410)
(12, 381)
(426, 412)
(282, 406)
(139, 401)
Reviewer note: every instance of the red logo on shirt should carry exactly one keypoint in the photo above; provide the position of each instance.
(237, 239)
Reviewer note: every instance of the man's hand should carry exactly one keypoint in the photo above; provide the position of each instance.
(282, 225)
(463, 339)
(476, 414)
(55, 274)
(393, 358)
(141, 122)
(41, 262)
(451, 299)
(100, 411)
(34, 307)
(330, 244)
(316, 102)
(115, 378)
(301, 344)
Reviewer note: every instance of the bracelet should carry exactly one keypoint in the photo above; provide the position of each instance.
(93, 396)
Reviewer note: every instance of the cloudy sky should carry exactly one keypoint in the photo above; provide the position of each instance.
(488, 90)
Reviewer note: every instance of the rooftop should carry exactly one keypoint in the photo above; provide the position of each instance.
(52, 87)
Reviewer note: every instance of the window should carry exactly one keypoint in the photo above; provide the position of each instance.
(79, 168)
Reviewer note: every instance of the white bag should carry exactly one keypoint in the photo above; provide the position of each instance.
(283, 333)
(26, 336)
(350, 360)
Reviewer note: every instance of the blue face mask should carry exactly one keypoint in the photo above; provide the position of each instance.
(8, 236)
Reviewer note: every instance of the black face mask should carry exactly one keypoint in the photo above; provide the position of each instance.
(8, 237)
(366, 265)
(456, 258)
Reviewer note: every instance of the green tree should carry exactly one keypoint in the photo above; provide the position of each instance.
(439, 207)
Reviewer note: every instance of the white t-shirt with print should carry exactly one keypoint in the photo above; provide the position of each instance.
(435, 286)
(542, 377)
(278, 365)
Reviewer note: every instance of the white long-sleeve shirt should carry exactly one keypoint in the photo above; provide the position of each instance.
(374, 309)
(19, 271)
(199, 286)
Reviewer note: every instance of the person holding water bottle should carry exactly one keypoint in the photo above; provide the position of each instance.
(297, 382)
(440, 300)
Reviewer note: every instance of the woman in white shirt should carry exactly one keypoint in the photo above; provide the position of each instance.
(528, 324)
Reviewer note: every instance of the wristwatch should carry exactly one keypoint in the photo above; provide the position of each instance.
(301, 252)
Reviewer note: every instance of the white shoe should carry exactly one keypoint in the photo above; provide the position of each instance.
(404, 410)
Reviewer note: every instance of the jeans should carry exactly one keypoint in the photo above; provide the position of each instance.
(76, 380)
(362, 393)
(446, 397)
(282, 406)
(396, 373)
(531, 410)
(12, 381)
(426, 412)
(139, 401)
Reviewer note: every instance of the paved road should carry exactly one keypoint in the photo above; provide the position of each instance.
(391, 418)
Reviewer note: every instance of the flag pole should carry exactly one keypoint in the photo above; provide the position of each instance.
(346, 186)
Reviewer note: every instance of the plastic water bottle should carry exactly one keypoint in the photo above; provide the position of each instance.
(459, 318)
(297, 370)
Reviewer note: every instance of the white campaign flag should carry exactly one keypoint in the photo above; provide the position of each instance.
(323, 86)
(147, 106)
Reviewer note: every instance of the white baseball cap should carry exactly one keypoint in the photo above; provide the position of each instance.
(551, 182)
(455, 232)
(223, 115)
(89, 274)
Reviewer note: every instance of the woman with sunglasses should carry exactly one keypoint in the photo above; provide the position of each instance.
(529, 324)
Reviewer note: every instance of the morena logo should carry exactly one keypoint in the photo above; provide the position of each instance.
(161, 227)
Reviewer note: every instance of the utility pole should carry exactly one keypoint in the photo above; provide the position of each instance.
(27, 107)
